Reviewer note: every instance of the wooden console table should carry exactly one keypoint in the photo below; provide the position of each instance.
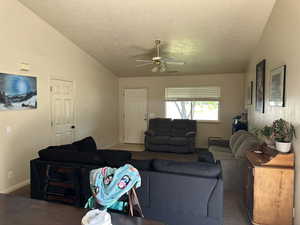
(25, 211)
(269, 187)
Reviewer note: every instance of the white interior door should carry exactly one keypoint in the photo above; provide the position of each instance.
(62, 112)
(135, 115)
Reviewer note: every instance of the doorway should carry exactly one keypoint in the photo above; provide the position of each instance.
(135, 115)
(62, 112)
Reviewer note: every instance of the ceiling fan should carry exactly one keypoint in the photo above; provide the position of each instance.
(160, 63)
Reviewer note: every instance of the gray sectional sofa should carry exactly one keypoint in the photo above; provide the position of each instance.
(232, 155)
(182, 193)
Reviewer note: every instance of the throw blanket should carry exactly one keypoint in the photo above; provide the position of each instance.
(108, 185)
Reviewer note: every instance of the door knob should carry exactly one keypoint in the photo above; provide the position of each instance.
(73, 127)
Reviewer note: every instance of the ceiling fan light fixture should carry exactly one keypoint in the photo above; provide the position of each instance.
(160, 63)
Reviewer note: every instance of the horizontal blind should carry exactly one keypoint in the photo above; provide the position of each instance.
(186, 93)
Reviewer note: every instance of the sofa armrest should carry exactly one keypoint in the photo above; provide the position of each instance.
(233, 173)
(190, 134)
(149, 133)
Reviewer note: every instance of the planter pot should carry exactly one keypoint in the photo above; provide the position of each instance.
(283, 147)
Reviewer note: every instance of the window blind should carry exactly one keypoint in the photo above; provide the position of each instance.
(185, 93)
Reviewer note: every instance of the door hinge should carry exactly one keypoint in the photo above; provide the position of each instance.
(293, 212)
(51, 123)
(51, 88)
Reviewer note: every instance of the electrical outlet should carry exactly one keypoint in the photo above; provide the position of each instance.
(10, 174)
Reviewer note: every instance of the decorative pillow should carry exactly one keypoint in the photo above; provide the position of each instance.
(201, 169)
(86, 145)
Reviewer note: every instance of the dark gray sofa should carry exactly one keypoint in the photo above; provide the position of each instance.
(192, 194)
(166, 135)
(174, 192)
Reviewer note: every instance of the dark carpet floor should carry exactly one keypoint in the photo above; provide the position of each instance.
(234, 211)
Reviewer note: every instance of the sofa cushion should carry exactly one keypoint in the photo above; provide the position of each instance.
(219, 155)
(234, 137)
(160, 140)
(248, 143)
(71, 156)
(64, 147)
(142, 164)
(240, 140)
(178, 141)
(206, 156)
(86, 145)
(200, 169)
(115, 158)
(111, 158)
(160, 126)
(181, 127)
(216, 148)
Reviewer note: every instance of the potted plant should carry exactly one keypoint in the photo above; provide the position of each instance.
(266, 133)
(283, 133)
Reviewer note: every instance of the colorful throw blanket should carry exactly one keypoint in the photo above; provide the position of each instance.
(108, 185)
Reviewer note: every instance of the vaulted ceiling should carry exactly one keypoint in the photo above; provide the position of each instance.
(210, 36)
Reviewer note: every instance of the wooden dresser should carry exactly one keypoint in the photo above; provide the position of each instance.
(269, 187)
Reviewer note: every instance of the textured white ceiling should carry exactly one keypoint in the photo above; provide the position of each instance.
(211, 36)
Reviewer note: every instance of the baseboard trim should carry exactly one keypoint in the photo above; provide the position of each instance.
(15, 187)
(108, 146)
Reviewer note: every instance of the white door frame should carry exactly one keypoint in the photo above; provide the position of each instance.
(50, 109)
(123, 110)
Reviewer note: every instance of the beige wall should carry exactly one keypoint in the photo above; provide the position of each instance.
(231, 102)
(26, 38)
(280, 44)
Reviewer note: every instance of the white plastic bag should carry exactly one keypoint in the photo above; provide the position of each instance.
(96, 217)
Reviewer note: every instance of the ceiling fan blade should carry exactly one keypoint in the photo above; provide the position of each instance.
(144, 60)
(169, 59)
(144, 64)
(174, 63)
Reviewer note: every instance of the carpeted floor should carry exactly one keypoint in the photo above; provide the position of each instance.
(128, 147)
(234, 211)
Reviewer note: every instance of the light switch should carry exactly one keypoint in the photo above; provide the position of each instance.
(25, 67)
(8, 129)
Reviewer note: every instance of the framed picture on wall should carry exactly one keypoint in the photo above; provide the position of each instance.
(250, 93)
(17, 92)
(260, 86)
(277, 89)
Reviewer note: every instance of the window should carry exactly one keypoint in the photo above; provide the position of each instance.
(197, 103)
